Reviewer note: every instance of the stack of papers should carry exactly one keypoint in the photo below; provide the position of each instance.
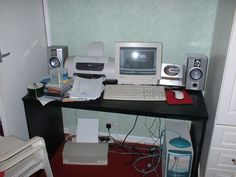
(87, 89)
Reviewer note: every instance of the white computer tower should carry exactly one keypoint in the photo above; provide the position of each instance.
(176, 159)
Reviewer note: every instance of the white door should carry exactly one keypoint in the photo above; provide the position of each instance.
(22, 33)
(226, 111)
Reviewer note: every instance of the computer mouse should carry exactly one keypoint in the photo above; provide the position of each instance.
(178, 94)
(180, 142)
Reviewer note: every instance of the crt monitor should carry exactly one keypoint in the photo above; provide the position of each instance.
(138, 62)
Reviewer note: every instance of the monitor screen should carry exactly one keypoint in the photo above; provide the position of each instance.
(138, 62)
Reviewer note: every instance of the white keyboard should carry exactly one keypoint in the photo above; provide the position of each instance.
(134, 92)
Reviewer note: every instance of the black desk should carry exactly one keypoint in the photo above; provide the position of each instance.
(46, 121)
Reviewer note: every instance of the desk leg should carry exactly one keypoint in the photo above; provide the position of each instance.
(197, 134)
(45, 121)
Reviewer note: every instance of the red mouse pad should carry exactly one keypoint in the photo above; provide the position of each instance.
(170, 98)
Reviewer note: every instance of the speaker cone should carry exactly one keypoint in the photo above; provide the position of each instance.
(54, 62)
(196, 73)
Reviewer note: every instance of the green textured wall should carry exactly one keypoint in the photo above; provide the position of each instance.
(181, 25)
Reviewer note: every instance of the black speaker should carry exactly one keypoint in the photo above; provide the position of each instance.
(57, 56)
(196, 72)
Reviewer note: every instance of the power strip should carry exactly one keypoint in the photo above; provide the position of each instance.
(103, 139)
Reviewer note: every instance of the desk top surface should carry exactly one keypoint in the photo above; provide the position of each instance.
(195, 111)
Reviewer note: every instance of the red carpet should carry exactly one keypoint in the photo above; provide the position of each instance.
(120, 164)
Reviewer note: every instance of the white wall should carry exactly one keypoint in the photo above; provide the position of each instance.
(22, 33)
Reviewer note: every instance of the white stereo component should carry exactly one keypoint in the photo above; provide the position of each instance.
(172, 75)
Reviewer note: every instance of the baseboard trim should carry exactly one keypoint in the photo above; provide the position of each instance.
(130, 138)
(133, 139)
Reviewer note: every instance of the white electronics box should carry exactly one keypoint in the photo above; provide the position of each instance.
(91, 65)
(172, 75)
(85, 153)
(177, 153)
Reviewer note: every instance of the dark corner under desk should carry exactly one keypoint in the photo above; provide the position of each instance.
(46, 121)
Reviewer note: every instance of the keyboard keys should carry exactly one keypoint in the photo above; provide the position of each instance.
(134, 92)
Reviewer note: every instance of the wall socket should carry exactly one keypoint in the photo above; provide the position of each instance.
(114, 126)
(114, 123)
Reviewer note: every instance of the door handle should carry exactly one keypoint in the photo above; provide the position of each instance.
(3, 55)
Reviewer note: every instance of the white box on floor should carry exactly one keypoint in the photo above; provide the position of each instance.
(85, 153)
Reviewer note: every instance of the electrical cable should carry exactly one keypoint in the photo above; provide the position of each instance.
(177, 161)
(145, 157)
(109, 131)
(131, 147)
(120, 139)
(171, 130)
(159, 134)
(130, 130)
(159, 131)
(155, 158)
(154, 170)
(173, 165)
(108, 126)
(126, 145)
(129, 153)
(152, 133)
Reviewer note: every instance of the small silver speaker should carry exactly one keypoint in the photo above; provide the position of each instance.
(196, 72)
(57, 56)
